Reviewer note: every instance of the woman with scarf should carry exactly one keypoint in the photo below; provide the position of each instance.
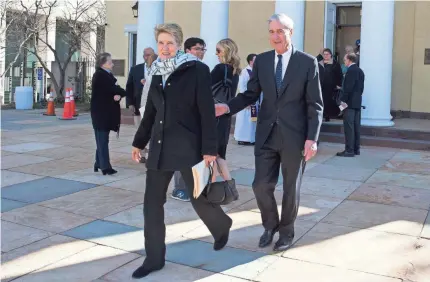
(179, 122)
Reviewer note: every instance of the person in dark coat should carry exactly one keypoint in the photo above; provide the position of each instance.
(105, 110)
(228, 56)
(321, 72)
(332, 80)
(352, 91)
(135, 82)
(134, 87)
(179, 122)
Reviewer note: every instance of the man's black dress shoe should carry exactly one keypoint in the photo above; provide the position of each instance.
(145, 269)
(267, 238)
(345, 154)
(283, 244)
(109, 171)
(357, 153)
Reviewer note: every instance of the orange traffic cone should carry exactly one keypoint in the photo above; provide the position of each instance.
(50, 110)
(72, 103)
(67, 113)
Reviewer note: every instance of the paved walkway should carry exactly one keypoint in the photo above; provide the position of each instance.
(363, 219)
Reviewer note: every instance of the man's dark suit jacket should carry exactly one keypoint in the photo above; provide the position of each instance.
(299, 107)
(134, 86)
(353, 86)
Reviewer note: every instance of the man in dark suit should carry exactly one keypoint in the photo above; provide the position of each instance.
(135, 82)
(352, 90)
(288, 126)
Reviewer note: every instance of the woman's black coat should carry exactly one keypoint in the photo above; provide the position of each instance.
(332, 77)
(105, 111)
(179, 119)
(224, 122)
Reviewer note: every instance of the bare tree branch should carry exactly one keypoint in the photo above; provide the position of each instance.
(74, 22)
(21, 47)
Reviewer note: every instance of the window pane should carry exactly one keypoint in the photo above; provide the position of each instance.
(134, 49)
(349, 16)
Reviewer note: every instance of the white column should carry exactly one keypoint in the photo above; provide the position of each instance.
(2, 57)
(150, 14)
(376, 53)
(52, 34)
(93, 40)
(213, 27)
(296, 11)
(89, 43)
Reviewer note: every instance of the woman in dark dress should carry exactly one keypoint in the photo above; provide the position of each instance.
(228, 56)
(332, 77)
(105, 110)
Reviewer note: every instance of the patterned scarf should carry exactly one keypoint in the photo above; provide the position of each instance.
(164, 68)
(168, 66)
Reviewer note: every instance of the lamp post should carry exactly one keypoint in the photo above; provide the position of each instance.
(135, 9)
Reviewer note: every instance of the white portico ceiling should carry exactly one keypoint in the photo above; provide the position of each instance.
(130, 28)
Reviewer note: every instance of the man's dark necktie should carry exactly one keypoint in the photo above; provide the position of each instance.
(278, 74)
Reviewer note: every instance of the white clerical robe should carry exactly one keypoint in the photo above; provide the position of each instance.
(244, 130)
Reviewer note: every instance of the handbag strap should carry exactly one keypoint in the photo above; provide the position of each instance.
(225, 74)
(211, 171)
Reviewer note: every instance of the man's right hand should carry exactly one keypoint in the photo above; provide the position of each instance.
(143, 81)
(221, 109)
(131, 108)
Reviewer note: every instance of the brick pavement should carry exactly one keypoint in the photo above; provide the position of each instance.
(360, 219)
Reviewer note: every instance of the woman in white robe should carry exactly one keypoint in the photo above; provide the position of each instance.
(244, 130)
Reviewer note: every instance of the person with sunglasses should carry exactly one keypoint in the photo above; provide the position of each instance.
(228, 56)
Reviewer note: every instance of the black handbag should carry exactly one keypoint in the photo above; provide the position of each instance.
(337, 95)
(222, 192)
(221, 91)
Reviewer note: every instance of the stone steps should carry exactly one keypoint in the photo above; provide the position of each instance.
(379, 141)
(383, 132)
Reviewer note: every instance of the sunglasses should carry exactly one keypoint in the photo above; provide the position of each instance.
(218, 51)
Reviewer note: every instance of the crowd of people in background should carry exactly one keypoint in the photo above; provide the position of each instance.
(331, 71)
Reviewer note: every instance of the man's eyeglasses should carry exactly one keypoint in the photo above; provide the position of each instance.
(199, 49)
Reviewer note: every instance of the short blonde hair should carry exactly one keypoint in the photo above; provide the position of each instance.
(171, 28)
